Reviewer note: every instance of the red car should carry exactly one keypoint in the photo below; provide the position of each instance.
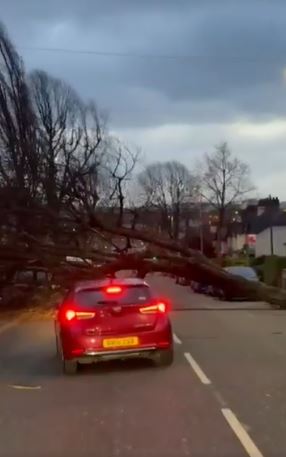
(112, 319)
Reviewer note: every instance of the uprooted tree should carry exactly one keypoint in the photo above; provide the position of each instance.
(64, 183)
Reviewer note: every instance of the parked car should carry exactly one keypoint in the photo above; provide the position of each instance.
(229, 294)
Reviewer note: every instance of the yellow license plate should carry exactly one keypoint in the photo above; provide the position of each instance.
(129, 341)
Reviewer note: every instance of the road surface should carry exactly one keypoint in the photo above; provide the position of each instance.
(223, 397)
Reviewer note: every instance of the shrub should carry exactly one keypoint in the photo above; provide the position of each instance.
(257, 261)
(235, 261)
(273, 267)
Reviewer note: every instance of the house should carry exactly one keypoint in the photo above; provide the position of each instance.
(272, 240)
(254, 220)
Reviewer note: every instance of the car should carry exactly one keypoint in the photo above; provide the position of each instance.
(229, 294)
(112, 319)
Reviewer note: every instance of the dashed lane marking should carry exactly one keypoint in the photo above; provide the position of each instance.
(197, 369)
(176, 339)
(248, 444)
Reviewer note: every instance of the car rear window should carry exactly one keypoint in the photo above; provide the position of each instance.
(129, 295)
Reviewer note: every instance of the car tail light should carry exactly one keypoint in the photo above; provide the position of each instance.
(160, 308)
(71, 314)
(113, 290)
(85, 315)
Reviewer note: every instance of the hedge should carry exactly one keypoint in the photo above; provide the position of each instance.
(272, 269)
(242, 261)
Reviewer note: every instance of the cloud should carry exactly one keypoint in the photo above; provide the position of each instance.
(261, 145)
(227, 81)
(230, 53)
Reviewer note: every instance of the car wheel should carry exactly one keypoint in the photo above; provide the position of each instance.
(164, 357)
(70, 367)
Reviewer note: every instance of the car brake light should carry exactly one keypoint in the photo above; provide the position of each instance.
(70, 314)
(158, 308)
(162, 307)
(113, 290)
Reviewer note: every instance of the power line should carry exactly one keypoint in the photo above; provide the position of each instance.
(176, 57)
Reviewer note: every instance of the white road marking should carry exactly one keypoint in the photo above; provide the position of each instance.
(19, 387)
(197, 369)
(176, 339)
(241, 433)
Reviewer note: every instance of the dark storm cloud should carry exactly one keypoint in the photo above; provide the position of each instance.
(235, 66)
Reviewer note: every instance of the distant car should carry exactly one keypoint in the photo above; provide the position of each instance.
(245, 272)
(112, 319)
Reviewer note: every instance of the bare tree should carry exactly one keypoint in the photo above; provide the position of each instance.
(19, 158)
(82, 164)
(57, 108)
(117, 172)
(225, 181)
(70, 135)
(167, 186)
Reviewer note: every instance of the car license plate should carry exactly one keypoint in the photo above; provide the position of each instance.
(129, 341)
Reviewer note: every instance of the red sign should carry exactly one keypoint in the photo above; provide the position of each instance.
(251, 240)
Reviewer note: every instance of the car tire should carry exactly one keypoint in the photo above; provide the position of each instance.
(164, 357)
(70, 367)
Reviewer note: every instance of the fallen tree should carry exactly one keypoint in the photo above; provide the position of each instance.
(159, 255)
(187, 263)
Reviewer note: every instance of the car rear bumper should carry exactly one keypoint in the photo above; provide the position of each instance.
(82, 346)
(97, 356)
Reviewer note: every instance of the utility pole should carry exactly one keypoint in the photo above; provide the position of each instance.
(197, 189)
(271, 240)
(201, 227)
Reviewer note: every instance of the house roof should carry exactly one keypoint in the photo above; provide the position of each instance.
(267, 220)
(253, 224)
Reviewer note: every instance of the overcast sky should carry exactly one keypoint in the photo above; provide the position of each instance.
(228, 81)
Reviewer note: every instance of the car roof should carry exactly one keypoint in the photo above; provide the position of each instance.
(109, 281)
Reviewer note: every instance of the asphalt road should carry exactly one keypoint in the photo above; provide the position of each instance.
(224, 396)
